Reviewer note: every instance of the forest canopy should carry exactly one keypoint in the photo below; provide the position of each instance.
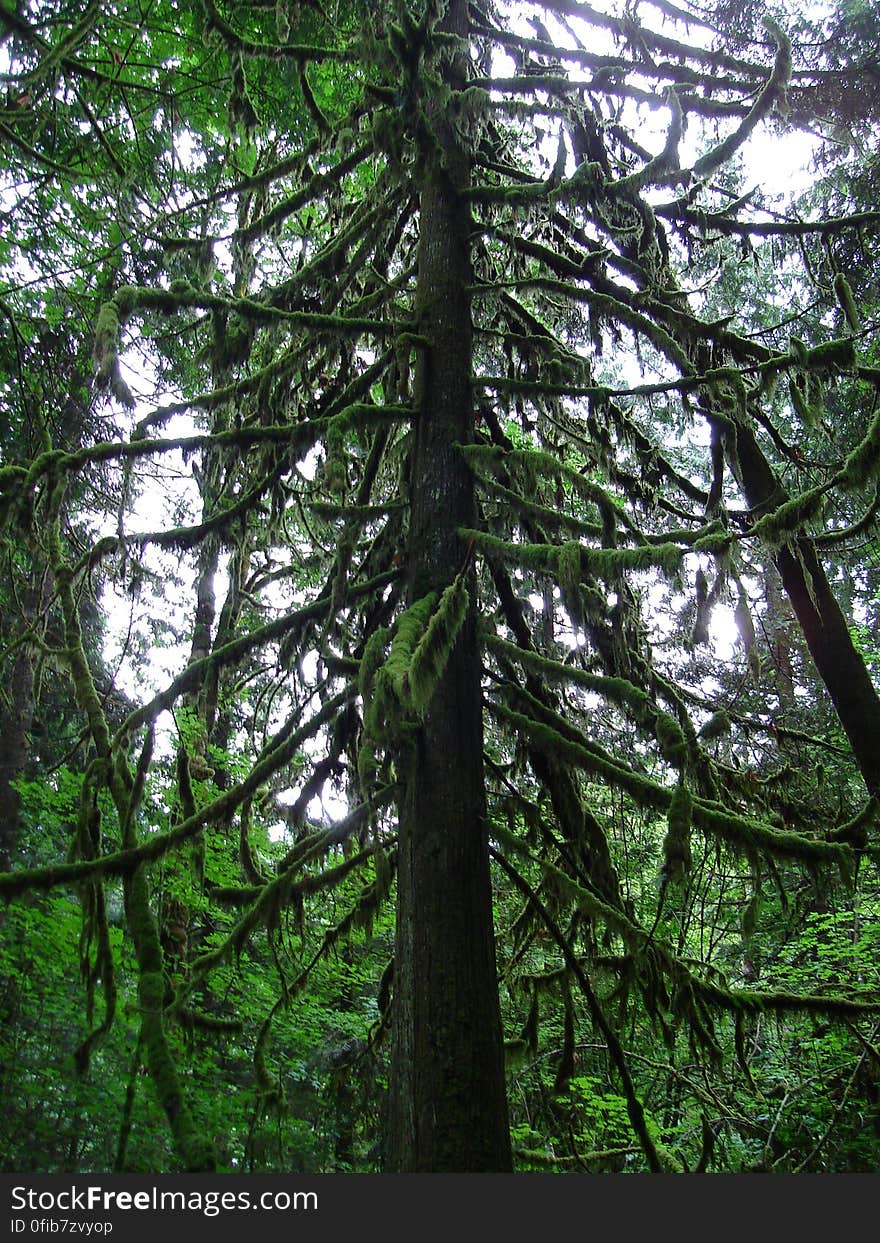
(440, 586)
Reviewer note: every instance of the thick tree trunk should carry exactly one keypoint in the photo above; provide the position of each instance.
(447, 1107)
(821, 619)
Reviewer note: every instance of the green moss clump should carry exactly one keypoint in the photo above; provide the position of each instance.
(568, 567)
(861, 463)
(673, 746)
(779, 525)
(834, 355)
(371, 660)
(105, 354)
(843, 294)
(605, 563)
(410, 628)
(717, 726)
(677, 843)
(398, 690)
(807, 410)
(432, 653)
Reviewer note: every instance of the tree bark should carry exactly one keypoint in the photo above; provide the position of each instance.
(447, 1104)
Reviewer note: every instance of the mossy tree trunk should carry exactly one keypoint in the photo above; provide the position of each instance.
(447, 1108)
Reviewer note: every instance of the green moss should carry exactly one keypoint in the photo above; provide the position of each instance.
(677, 843)
(714, 542)
(604, 563)
(855, 830)
(105, 354)
(535, 464)
(618, 690)
(433, 650)
(339, 431)
(410, 628)
(194, 1150)
(861, 464)
(398, 690)
(568, 567)
(673, 746)
(742, 832)
(390, 711)
(716, 727)
(834, 355)
(371, 660)
(790, 518)
(807, 412)
(843, 294)
(546, 517)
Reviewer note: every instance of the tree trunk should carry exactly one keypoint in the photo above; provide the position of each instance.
(16, 719)
(825, 629)
(447, 1107)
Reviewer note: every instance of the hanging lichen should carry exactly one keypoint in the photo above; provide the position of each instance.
(702, 610)
(782, 67)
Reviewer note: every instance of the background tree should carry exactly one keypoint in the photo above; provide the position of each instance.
(444, 395)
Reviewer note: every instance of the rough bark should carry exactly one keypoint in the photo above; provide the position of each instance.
(447, 1106)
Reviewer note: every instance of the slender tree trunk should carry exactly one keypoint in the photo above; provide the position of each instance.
(447, 1107)
(821, 619)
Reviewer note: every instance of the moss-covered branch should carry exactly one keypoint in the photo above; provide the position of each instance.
(604, 563)
(742, 832)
